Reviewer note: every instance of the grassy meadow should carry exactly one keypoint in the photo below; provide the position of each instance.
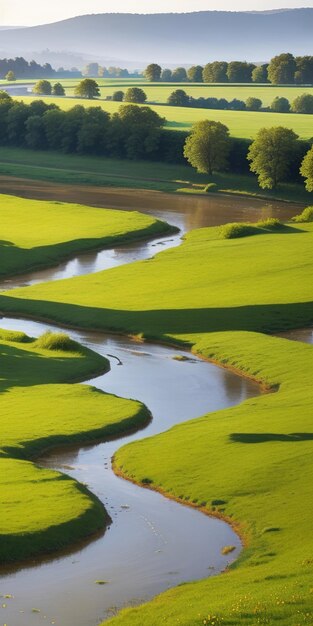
(38, 233)
(41, 409)
(261, 282)
(252, 464)
(155, 176)
(240, 123)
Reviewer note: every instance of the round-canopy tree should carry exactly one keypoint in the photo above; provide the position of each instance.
(179, 98)
(135, 94)
(153, 72)
(253, 104)
(118, 96)
(58, 90)
(195, 74)
(280, 105)
(207, 147)
(42, 88)
(303, 104)
(306, 170)
(259, 74)
(10, 76)
(166, 75)
(271, 155)
(87, 88)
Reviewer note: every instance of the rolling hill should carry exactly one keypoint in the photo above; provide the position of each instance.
(170, 37)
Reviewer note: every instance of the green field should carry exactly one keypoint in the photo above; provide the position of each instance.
(101, 171)
(39, 410)
(252, 463)
(240, 123)
(262, 282)
(38, 234)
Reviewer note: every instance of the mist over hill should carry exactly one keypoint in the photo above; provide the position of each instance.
(172, 38)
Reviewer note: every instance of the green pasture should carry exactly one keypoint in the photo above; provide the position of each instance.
(262, 282)
(240, 123)
(252, 464)
(39, 233)
(43, 510)
(101, 171)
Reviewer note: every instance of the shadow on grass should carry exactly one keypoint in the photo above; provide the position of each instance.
(264, 437)
(157, 323)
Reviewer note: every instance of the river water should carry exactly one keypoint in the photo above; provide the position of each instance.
(152, 543)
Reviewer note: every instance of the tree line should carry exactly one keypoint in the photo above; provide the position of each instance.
(283, 69)
(138, 133)
(24, 69)
(302, 103)
(271, 155)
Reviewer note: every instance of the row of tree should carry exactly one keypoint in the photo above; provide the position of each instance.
(94, 70)
(301, 104)
(24, 69)
(283, 69)
(270, 155)
(134, 132)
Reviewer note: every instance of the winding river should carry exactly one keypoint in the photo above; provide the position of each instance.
(152, 543)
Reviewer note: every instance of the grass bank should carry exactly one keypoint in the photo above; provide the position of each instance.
(37, 234)
(261, 282)
(251, 463)
(43, 510)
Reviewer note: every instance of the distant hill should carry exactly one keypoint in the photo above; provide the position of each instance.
(171, 37)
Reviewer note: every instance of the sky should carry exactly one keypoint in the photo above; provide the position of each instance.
(31, 12)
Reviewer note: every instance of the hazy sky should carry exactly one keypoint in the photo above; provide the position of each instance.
(30, 12)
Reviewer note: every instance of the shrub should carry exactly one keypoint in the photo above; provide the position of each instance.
(235, 229)
(210, 187)
(14, 335)
(57, 341)
(270, 223)
(305, 216)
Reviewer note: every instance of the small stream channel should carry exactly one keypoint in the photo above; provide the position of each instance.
(152, 543)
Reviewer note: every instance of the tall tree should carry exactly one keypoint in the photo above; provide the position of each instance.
(194, 74)
(280, 105)
(179, 75)
(271, 155)
(240, 72)
(281, 69)
(207, 147)
(253, 104)
(304, 70)
(215, 72)
(303, 104)
(259, 74)
(153, 72)
(91, 70)
(166, 75)
(87, 88)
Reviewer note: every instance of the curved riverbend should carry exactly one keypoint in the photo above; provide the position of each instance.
(153, 543)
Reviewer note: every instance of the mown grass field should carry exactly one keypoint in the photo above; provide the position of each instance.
(100, 171)
(43, 510)
(262, 282)
(240, 123)
(38, 234)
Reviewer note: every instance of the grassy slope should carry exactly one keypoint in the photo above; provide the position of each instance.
(40, 165)
(39, 409)
(256, 459)
(240, 123)
(35, 233)
(262, 282)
